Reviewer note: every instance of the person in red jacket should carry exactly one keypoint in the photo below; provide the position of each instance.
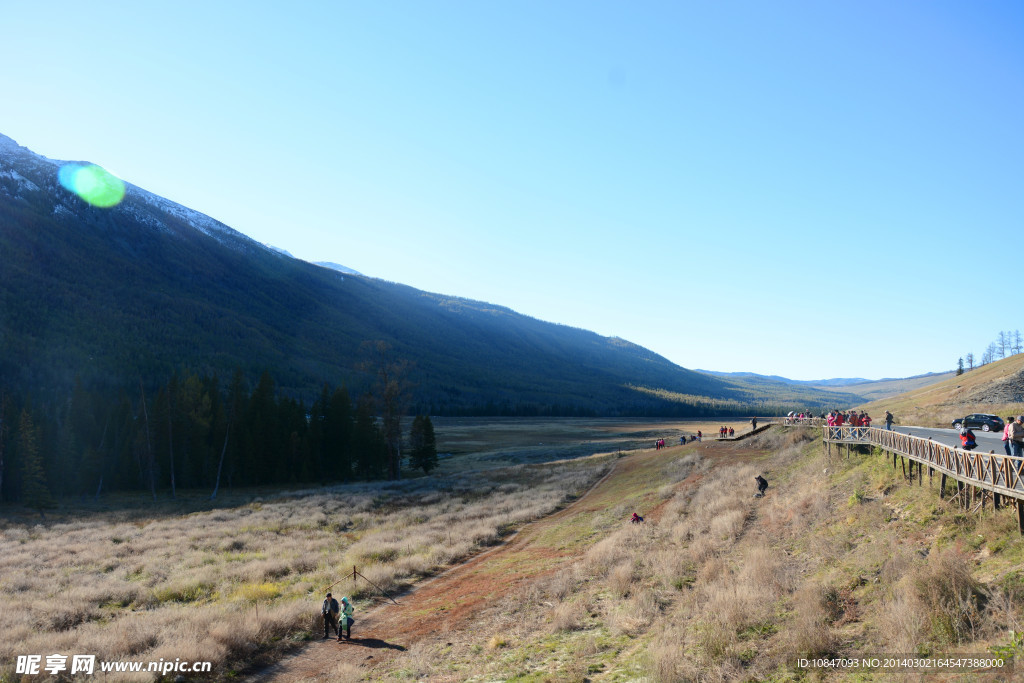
(967, 441)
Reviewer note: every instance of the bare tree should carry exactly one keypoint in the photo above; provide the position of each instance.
(989, 355)
(1016, 342)
(970, 361)
(1002, 343)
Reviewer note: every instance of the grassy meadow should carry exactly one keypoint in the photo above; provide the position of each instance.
(841, 558)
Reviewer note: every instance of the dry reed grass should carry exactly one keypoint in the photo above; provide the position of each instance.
(190, 586)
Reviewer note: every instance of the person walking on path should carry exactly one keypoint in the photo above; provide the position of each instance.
(888, 420)
(330, 611)
(346, 619)
(753, 424)
(1017, 437)
(1006, 434)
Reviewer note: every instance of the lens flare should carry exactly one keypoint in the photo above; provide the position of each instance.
(95, 185)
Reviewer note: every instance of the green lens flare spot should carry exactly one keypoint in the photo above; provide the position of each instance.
(95, 185)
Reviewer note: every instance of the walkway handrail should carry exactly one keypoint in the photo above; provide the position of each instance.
(800, 422)
(995, 472)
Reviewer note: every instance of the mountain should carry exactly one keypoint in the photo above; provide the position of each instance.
(863, 389)
(147, 287)
(785, 380)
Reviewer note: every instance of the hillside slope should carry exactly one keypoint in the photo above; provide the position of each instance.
(144, 288)
(996, 388)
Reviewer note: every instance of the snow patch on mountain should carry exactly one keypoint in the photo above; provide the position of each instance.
(23, 182)
(336, 266)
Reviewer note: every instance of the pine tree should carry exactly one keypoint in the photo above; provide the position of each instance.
(34, 492)
(423, 444)
(960, 367)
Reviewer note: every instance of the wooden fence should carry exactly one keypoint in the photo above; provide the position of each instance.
(1001, 476)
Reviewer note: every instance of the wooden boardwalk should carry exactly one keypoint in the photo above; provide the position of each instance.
(979, 476)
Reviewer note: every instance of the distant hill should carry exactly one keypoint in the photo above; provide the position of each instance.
(861, 389)
(140, 290)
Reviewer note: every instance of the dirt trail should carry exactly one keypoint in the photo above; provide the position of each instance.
(437, 608)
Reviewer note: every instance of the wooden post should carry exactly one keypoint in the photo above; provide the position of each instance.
(995, 501)
(1020, 516)
(942, 486)
(903, 463)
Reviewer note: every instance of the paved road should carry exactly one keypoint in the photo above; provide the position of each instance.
(987, 441)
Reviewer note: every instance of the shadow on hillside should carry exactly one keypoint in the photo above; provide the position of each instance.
(374, 643)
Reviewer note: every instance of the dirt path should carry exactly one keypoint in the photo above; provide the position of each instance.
(439, 607)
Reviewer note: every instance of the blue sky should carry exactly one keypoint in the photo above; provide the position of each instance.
(811, 189)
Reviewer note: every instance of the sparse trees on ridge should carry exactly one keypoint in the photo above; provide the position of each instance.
(1006, 344)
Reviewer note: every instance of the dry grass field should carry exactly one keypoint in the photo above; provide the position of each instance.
(234, 585)
(842, 557)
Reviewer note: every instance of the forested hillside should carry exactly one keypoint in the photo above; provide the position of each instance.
(101, 307)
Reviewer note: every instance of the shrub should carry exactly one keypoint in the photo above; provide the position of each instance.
(947, 588)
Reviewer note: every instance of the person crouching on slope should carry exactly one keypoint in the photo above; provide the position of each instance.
(346, 619)
(762, 485)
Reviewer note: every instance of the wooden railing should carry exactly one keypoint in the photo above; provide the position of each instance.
(800, 422)
(994, 472)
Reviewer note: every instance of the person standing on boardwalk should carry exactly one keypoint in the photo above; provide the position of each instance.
(1017, 437)
(888, 420)
(330, 612)
(1006, 434)
(346, 619)
(753, 423)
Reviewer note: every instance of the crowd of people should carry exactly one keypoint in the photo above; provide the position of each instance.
(1013, 436)
(837, 418)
